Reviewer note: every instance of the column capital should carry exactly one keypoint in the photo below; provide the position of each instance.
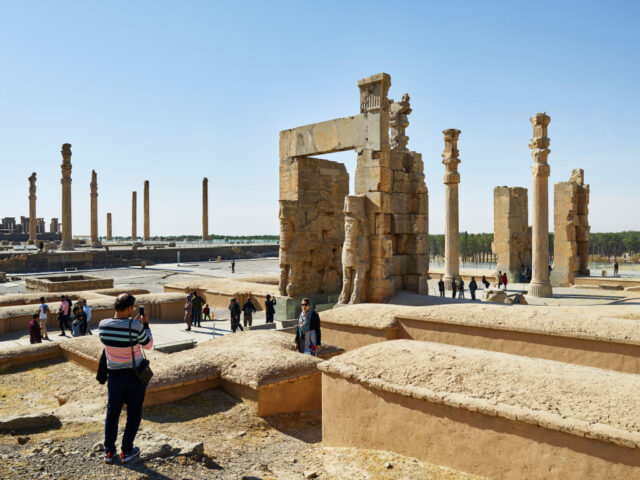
(373, 92)
(450, 155)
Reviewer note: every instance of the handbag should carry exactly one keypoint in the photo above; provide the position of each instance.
(103, 372)
(142, 371)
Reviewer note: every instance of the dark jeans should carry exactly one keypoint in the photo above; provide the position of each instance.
(197, 317)
(248, 319)
(269, 317)
(235, 325)
(63, 321)
(473, 294)
(123, 387)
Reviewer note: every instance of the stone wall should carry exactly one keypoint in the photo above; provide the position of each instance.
(571, 230)
(312, 193)
(511, 230)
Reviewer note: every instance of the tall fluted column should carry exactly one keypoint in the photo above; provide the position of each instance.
(134, 220)
(67, 237)
(95, 242)
(540, 285)
(451, 180)
(109, 231)
(146, 210)
(205, 208)
(32, 208)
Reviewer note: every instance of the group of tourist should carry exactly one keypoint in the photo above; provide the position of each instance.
(457, 287)
(248, 308)
(502, 280)
(195, 310)
(75, 318)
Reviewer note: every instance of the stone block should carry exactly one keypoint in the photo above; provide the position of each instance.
(409, 224)
(419, 203)
(418, 264)
(380, 246)
(412, 244)
(411, 283)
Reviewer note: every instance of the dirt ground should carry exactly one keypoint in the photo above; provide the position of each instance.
(237, 443)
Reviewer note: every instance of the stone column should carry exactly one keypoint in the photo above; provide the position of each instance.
(205, 208)
(540, 285)
(95, 242)
(146, 211)
(32, 209)
(109, 231)
(67, 238)
(134, 221)
(451, 180)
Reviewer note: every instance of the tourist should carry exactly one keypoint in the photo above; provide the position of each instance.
(269, 305)
(473, 286)
(615, 268)
(234, 310)
(485, 282)
(78, 321)
(233, 266)
(123, 354)
(196, 308)
(454, 288)
(188, 310)
(499, 279)
(504, 280)
(461, 288)
(249, 309)
(35, 336)
(70, 303)
(63, 315)
(87, 311)
(308, 330)
(206, 313)
(441, 287)
(43, 314)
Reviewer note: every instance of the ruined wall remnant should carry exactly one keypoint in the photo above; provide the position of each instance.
(511, 230)
(312, 195)
(571, 229)
(392, 212)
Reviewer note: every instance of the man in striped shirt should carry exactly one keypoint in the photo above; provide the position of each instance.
(120, 335)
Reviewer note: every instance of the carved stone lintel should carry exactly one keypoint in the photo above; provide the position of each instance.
(373, 93)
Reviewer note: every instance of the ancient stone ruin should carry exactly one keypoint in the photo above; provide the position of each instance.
(571, 230)
(387, 225)
(511, 231)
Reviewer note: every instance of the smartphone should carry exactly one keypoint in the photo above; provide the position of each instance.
(141, 311)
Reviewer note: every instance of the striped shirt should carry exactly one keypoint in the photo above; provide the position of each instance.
(114, 334)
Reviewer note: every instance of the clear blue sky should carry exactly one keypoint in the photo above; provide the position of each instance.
(174, 91)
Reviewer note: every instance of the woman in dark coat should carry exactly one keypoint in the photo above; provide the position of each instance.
(308, 336)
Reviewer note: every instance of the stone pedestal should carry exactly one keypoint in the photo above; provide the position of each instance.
(95, 242)
(540, 285)
(451, 180)
(134, 220)
(32, 209)
(67, 237)
(109, 231)
(205, 208)
(146, 235)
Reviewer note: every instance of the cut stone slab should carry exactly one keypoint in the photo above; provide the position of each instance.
(494, 296)
(154, 444)
(29, 422)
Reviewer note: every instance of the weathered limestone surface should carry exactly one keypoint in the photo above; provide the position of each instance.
(511, 231)
(146, 232)
(393, 209)
(134, 213)
(205, 208)
(95, 242)
(109, 230)
(540, 285)
(452, 231)
(32, 208)
(312, 193)
(67, 237)
(571, 230)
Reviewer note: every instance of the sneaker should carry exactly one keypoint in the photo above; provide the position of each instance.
(127, 457)
(108, 457)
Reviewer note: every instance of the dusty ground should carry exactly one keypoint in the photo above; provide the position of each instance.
(237, 444)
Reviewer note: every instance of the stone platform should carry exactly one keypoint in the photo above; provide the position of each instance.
(512, 417)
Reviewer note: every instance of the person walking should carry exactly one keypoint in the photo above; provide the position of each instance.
(269, 305)
(249, 309)
(499, 279)
(234, 310)
(454, 288)
(308, 336)
(187, 312)
(233, 266)
(615, 268)
(504, 280)
(43, 314)
(124, 338)
(485, 282)
(63, 316)
(461, 288)
(441, 287)
(35, 336)
(196, 308)
(473, 286)
(206, 313)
